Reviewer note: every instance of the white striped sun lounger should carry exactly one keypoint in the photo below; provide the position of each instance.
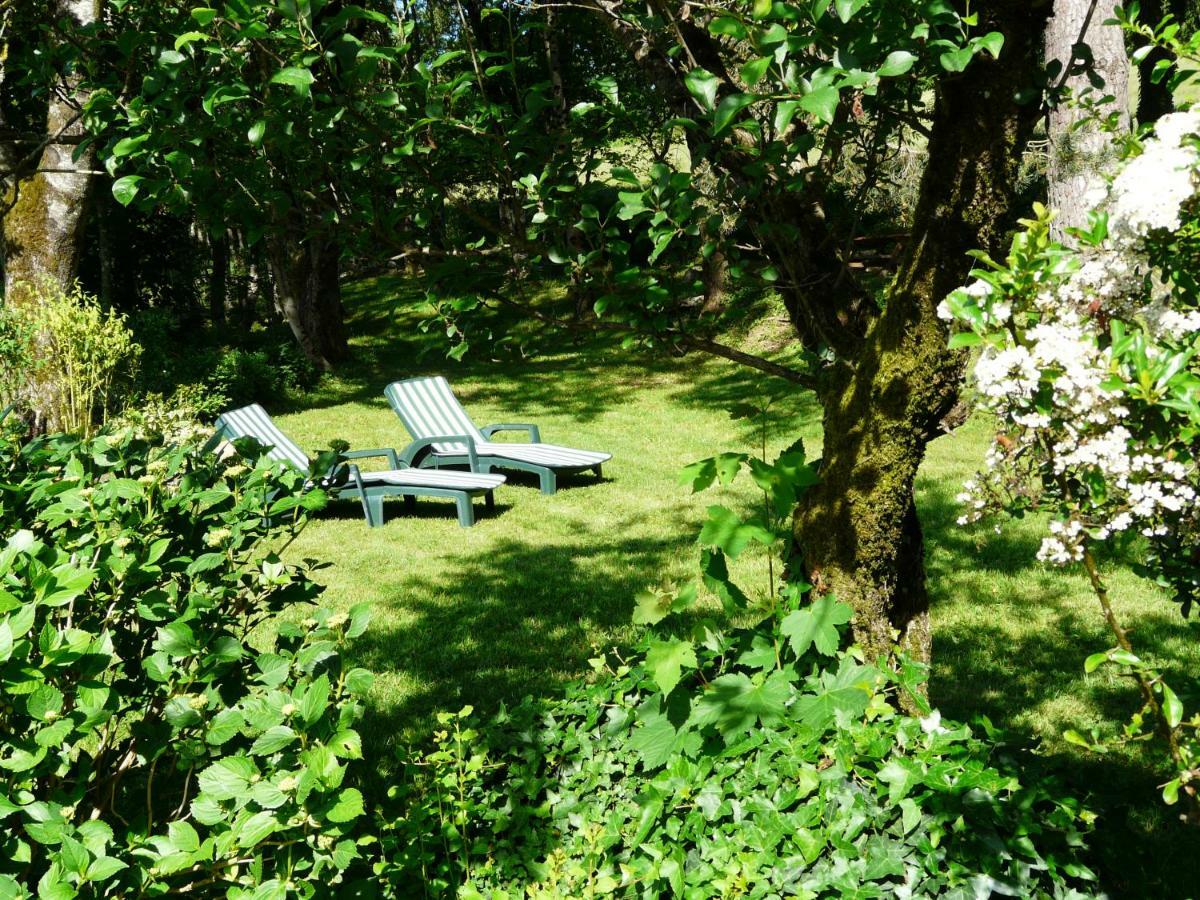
(445, 435)
(401, 479)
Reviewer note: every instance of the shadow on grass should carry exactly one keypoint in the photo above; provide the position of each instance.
(543, 600)
(989, 666)
(385, 315)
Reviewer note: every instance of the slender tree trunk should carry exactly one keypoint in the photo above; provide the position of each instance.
(46, 198)
(218, 277)
(858, 530)
(308, 294)
(1091, 65)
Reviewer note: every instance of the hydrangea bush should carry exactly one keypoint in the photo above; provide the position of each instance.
(149, 746)
(1090, 362)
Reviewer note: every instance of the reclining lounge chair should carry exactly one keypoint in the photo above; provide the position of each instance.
(444, 435)
(400, 480)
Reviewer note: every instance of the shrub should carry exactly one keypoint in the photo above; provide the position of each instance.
(147, 746)
(763, 760)
(78, 356)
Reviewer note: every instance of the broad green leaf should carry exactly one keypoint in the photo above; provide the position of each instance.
(257, 828)
(702, 85)
(847, 8)
(204, 15)
(754, 70)
(728, 26)
(725, 531)
(897, 63)
(821, 102)
(816, 625)
(125, 188)
(847, 691)
(734, 703)
(227, 778)
(300, 79)
(728, 109)
(665, 661)
(347, 808)
(256, 132)
(272, 740)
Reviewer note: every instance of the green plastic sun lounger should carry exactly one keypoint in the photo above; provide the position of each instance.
(400, 480)
(444, 435)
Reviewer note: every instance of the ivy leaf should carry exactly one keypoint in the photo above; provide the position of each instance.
(734, 703)
(816, 625)
(665, 661)
(725, 531)
(702, 84)
(821, 102)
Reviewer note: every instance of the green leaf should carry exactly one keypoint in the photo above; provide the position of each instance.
(257, 828)
(734, 703)
(1172, 708)
(728, 26)
(45, 703)
(761, 9)
(665, 661)
(847, 691)
(295, 77)
(315, 700)
(272, 740)
(754, 70)
(224, 726)
(256, 132)
(816, 625)
(349, 806)
(360, 617)
(227, 778)
(728, 109)
(654, 740)
(846, 9)
(204, 15)
(125, 189)
(897, 63)
(702, 85)
(725, 531)
(821, 102)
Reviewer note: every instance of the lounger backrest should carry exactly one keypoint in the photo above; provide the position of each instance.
(429, 408)
(253, 421)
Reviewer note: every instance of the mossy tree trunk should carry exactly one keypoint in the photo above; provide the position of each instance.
(46, 194)
(858, 531)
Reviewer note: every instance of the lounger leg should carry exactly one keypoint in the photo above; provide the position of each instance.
(490, 501)
(599, 470)
(374, 505)
(466, 512)
(410, 503)
(549, 482)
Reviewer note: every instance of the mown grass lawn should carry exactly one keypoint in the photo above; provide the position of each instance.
(518, 603)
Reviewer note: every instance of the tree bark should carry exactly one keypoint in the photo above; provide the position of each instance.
(218, 277)
(46, 197)
(858, 530)
(308, 292)
(1090, 55)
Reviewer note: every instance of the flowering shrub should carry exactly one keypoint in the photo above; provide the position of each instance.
(147, 746)
(1090, 363)
(765, 760)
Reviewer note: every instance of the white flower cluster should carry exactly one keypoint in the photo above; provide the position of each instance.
(1065, 422)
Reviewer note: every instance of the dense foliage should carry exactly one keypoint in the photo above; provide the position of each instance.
(753, 761)
(1089, 362)
(147, 744)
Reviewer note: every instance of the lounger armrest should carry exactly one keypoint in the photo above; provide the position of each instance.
(412, 451)
(535, 436)
(387, 452)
